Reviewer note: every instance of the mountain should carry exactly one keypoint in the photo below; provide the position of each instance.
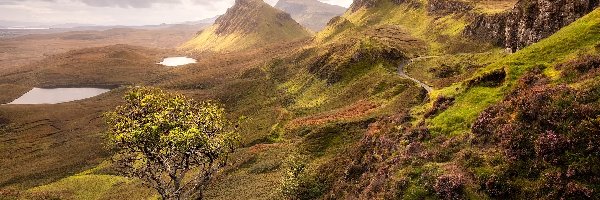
(249, 23)
(395, 99)
(312, 14)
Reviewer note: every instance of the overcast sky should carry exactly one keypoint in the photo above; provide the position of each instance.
(118, 12)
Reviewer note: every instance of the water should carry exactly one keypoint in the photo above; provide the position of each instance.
(177, 61)
(57, 95)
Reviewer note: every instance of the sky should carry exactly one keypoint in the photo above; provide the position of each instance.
(116, 12)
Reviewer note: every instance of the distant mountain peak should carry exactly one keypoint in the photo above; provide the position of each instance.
(248, 23)
(244, 16)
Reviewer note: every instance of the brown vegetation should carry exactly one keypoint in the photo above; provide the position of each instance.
(357, 110)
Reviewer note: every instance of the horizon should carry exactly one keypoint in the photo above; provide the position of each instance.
(49, 13)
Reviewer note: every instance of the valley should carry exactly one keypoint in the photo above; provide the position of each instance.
(387, 99)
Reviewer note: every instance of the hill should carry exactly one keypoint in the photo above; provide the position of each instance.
(25, 48)
(395, 99)
(312, 14)
(249, 23)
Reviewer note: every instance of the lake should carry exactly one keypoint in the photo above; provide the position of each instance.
(177, 61)
(57, 95)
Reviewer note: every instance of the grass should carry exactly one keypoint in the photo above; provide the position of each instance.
(208, 40)
(458, 118)
(91, 187)
(440, 33)
(92, 184)
(494, 6)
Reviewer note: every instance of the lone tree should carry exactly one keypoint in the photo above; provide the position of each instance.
(172, 143)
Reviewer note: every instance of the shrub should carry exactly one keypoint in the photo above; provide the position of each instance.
(581, 68)
(550, 146)
(419, 133)
(498, 187)
(441, 103)
(449, 187)
(445, 71)
(297, 183)
(490, 79)
(162, 138)
(542, 128)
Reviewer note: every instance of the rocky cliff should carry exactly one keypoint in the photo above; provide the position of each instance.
(528, 22)
(312, 14)
(248, 24)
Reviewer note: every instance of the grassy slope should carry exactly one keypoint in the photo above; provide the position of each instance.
(208, 40)
(95, 183)
(366, 91)
(575, 39)
(440, 32)
(260, 165)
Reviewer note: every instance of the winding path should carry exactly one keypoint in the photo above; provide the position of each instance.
(402, 73)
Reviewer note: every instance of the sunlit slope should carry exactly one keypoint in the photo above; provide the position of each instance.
(577, 38)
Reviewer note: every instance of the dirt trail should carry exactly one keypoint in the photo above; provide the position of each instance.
(402, 73)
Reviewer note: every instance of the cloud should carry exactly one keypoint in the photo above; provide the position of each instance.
(127, 3)
(105, 3)
(116, 12)
(17, 2)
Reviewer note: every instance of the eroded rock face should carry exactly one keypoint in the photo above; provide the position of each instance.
(529, 22)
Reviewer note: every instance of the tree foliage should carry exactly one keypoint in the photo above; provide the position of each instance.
(175, 145)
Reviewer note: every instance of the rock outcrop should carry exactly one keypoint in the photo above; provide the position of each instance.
(248, 24)
(312, 14)
(528, 22)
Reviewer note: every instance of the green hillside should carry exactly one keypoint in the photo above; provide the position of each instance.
(346, 116)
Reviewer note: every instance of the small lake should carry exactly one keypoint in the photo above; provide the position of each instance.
(57, 95)
(177, 61)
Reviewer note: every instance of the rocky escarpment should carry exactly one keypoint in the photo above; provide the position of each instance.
(528, 22)
(439, 7)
